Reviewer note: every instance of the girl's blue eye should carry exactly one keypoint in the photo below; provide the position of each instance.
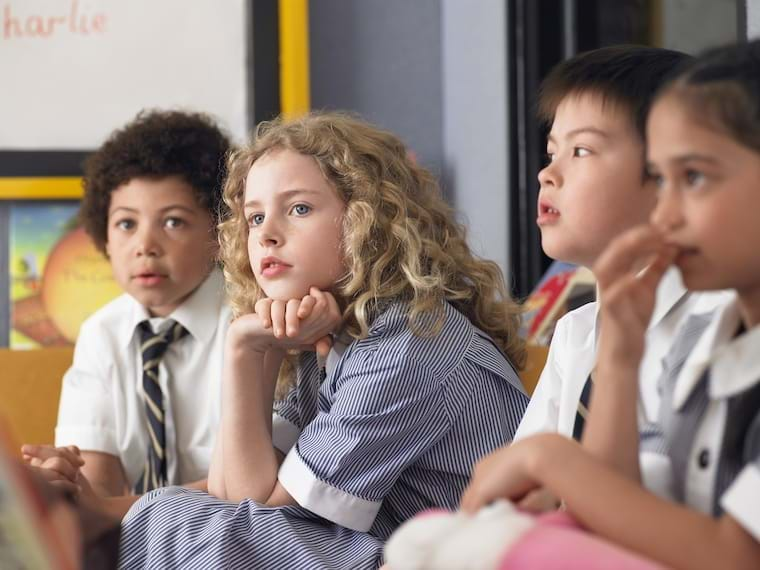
(256, 220)
(301, 209)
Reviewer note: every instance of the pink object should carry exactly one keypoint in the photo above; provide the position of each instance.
(560, 543)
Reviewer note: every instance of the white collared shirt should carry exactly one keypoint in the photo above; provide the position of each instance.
(102, 406)
(572, 356)
(734, 367)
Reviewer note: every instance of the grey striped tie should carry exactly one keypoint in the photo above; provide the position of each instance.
(153, 346)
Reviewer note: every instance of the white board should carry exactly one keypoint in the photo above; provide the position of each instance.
(73, 70)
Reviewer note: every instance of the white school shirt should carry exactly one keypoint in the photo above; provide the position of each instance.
(734, 367)
(102, 406)
(572, 356)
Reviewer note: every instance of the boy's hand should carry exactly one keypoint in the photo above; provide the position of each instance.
(64, 461)
(60, 466)
(301, 322)
(628, 292)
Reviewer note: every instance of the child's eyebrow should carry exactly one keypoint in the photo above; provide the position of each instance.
(162, 210)
(582, 130)
(284, 195)
(694, 157)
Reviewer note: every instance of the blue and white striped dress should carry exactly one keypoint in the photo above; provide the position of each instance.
(394, 428)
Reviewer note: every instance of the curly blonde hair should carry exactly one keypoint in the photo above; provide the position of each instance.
(400, 238)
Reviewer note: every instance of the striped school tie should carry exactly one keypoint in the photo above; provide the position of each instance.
(153, 346)
(583, 406)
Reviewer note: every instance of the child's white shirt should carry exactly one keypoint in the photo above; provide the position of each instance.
(572, 356)
(102, 406)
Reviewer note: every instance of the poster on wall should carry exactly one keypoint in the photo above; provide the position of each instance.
(74, 70)
(57, 276)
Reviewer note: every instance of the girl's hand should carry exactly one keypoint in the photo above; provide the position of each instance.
(301, 322)
(628, 293)
(510, 472)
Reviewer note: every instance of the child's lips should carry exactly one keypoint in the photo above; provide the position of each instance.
(148, 279)
(547, 213)
(272, 267)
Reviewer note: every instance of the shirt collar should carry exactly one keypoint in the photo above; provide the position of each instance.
(670, 293)
(199, 314)
(734, 366)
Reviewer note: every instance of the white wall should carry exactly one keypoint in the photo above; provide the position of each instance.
(753, 19)
(475, 121)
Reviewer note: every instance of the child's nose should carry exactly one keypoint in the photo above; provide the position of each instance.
(548, 175)
(270, 233)
(667, 215)
(147, 243)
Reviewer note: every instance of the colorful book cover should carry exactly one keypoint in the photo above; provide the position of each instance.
(57, 277)
(562, 288)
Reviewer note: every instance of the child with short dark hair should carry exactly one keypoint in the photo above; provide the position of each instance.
(141, 399)
(703, 137)
(593, 188)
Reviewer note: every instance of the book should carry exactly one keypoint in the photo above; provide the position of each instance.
(57, 276)
(562, 288)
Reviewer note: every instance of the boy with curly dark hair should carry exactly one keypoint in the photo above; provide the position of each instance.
(141, 400)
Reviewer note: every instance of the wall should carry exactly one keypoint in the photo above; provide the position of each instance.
(433, 71)
(753, 19)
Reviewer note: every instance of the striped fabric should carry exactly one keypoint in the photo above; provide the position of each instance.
(397, 423)
(153, 347)
(583, 406)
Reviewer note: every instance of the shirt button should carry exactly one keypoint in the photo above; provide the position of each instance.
(703, 459)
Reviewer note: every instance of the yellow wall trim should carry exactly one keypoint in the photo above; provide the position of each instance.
(295, 91)
(40, 188)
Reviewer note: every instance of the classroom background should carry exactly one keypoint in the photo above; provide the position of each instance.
(456, 79)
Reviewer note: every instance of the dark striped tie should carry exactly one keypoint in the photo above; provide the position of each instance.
(153, 346)
(583, 406)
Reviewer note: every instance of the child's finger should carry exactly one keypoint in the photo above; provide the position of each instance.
(277, 313)
(652, 273)
(62, 467)
(44, 452)
(292, 320)
(323, 346)
(67, 486)
(320, 301)
(623, 253)
(263, 309)
(307, 305)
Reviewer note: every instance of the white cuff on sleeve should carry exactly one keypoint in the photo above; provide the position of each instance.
(87, 439)
(742, 501)
(322, 499)
(284, 433)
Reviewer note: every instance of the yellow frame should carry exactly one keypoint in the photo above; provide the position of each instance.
(40, 188)
(295, 92)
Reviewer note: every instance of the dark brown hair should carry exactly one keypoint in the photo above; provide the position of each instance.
(626, 76)
(721, 89)
(156, 144)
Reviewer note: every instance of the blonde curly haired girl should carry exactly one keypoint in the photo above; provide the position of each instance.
(337, 243)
